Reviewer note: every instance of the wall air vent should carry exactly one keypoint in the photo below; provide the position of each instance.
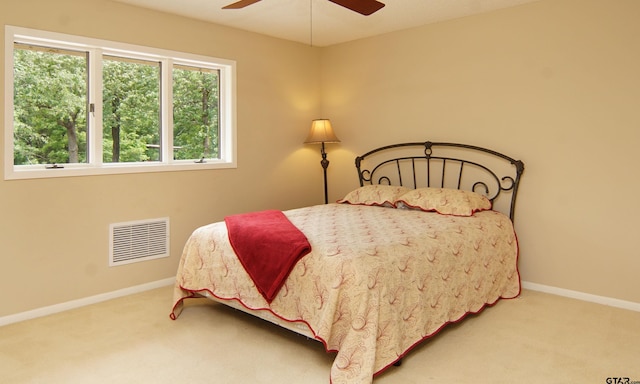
(141, 240)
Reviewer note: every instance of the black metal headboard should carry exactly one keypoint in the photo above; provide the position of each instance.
(445, 165)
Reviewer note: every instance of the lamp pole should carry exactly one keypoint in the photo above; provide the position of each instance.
(325, 163)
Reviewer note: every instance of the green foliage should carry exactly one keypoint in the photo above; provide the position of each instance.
(50, 109)
(195, 113)
(131, 111)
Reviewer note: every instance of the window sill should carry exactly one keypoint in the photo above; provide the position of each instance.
(73, 170)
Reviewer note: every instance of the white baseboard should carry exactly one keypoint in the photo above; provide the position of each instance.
(44, 311)
(630, 305)
(49, 310)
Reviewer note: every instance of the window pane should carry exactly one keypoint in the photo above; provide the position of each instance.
(196, 119)
(50, 105)
(131, 110)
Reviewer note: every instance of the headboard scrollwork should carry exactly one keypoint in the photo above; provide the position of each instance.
(445, 165)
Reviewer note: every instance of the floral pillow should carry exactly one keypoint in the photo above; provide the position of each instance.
(444, 201)
(382, 195)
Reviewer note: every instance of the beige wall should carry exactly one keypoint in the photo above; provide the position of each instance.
(54, 233)
(555, 83)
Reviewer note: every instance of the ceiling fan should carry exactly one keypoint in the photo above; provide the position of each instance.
(364, 7)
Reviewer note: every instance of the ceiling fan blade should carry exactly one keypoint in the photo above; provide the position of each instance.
(364, 7)
(240, 4)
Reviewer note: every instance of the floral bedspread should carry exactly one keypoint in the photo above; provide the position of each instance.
(377, 281)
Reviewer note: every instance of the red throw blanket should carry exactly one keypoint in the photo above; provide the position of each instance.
(268, 246)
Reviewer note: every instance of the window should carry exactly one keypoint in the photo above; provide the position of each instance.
(78, 106)
(131, 123)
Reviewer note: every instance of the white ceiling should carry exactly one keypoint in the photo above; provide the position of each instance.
(320, 22)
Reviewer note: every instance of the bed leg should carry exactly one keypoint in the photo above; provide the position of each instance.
(397, 363)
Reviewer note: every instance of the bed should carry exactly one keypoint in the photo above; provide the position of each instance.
(426, 239)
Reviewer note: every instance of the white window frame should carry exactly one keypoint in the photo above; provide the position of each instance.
(95, 165)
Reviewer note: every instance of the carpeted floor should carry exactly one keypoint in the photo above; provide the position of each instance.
(537, 338)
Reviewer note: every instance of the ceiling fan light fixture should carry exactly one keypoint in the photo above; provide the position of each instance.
(363, 7)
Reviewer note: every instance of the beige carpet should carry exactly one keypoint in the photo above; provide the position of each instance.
(537, 338)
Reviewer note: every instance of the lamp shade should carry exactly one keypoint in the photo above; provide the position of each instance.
(321, 132)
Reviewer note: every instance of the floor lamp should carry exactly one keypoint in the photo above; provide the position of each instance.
(321, 132)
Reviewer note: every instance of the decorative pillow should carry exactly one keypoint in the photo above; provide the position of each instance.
(444, 201)
(382, 195)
